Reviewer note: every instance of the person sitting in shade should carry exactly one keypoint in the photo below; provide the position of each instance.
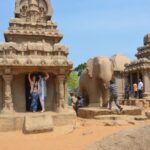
(42, 89)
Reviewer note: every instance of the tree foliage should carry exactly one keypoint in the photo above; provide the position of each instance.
(73, 80)
(80, 68)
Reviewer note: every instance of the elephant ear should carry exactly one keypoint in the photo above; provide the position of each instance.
(89, 67)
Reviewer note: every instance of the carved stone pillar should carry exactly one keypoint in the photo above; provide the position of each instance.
(131, 79)
(7, 102)
(138, 76)
(66, 92)
(125, 77)
(146, 81)
(60, 93)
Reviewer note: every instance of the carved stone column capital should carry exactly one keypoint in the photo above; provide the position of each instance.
(8, 103)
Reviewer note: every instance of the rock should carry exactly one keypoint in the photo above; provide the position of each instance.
(147, 114)
(38, 124)
(129, 139)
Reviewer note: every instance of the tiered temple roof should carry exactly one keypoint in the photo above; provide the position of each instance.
(32, 38)
(143, 57)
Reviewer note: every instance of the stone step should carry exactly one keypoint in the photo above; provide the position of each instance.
(35, 122)
(38, 123)
(113, 117)
(91, 112)
(121, 117)
(144, 103)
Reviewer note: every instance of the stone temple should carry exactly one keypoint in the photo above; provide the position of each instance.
(140, 68)
(32, 45)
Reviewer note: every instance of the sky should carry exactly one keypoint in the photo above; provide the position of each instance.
(95, 27)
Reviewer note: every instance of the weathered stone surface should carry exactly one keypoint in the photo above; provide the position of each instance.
(91, 112)
(131, 110)
(143, 103)
(32, 44)
(147, 114)
(11, 123)
(129, 139)
(37, 124)
(42, 121)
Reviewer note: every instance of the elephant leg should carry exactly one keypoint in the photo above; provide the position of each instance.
(105, 97)
(101, 102)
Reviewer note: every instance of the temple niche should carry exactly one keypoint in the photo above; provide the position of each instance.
(140, 68)
(32, 45)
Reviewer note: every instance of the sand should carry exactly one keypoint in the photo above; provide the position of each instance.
(74, 137)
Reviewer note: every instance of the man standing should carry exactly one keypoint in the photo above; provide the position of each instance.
(113, 95)
(140, 89)
(42, 89)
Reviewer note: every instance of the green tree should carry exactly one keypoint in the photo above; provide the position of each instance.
(73, 80)
(80, 68)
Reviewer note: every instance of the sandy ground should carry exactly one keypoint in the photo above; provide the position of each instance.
(76, 137)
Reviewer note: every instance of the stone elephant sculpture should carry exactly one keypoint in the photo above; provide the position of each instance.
(94, 80)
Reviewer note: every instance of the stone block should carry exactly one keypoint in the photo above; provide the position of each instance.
(11, 123)
(147, 114)
(38, 123)
(91, 112)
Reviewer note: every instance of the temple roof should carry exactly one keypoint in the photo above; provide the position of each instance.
(32, 38)
(119, 62)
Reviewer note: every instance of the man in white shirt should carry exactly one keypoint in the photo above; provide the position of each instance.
(140, 89)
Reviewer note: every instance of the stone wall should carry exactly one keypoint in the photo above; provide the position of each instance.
(51, 95)
(1, 93)
(120, 82)
(18, 90)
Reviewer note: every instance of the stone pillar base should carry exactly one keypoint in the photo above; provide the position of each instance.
(6, 111)
(146, 95)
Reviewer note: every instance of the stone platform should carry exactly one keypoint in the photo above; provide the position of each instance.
(91, 112)
(143, 103)
(35, 122)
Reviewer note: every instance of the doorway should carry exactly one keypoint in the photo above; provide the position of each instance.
(28, 95)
